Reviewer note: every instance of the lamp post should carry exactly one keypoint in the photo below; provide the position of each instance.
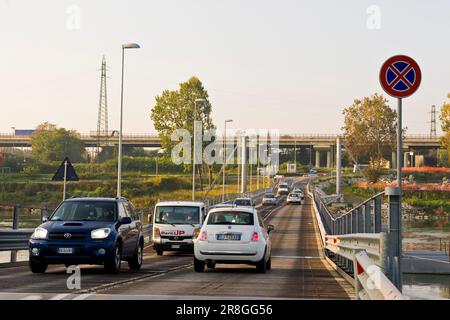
(119, 161)
(224, 158)
(194, 149)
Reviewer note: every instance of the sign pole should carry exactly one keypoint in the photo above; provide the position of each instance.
(65, 179)
(398, 233)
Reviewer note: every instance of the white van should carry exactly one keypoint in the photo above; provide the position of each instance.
(175, 223)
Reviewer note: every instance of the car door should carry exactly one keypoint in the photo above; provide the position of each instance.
(124, 230)
(135, 226)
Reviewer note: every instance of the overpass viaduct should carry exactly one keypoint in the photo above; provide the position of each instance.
(320, 149)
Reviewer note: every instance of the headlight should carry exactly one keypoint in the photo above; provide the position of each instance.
(196, 233)
(39, 233)
(100, 233)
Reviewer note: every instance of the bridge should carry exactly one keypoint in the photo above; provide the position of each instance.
(319, 148)
(315, 255)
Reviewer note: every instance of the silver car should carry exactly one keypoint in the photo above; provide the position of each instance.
(269, 199)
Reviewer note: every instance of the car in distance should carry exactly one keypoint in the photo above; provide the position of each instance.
(89, 231)
(283, 189)
(299, 192)
(174, 224)
(293, 198)
(243, 202)
(269, 199)
(233, 235)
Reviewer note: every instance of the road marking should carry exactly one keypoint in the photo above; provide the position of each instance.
(32, 297)
(82, 296)
(296, 257)
(59, 296)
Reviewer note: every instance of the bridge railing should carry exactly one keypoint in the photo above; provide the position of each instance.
(355, 244)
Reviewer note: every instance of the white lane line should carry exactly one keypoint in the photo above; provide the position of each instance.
(82, 296)
(296, 257)
(32, 297)
(59, 296)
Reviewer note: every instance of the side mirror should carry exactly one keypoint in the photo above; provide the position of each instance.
(254, 205)
(125, 220)
(44, 219)
(270, 228)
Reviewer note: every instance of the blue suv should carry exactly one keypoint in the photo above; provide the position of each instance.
(101, 231)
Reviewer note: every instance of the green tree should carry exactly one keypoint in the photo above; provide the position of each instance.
(53, 144)
(370, 129)
(445, 125)
(175, 110)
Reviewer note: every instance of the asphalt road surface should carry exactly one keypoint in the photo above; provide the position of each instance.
(298, 271)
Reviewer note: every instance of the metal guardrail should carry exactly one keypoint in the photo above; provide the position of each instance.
(354, 242)
(14, 239)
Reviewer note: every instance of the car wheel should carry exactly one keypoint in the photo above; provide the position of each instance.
(211, 265)
(269, 264)
(112, 265)
(37, 267)
(159, 252)
(136, 262)
(199, 266)
(261, 266)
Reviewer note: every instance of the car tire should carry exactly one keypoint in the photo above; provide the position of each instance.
(112, 264)
(211, 265)
(159, 252)
(269, 264)
(261, 266)
(136, 262)
(199, 266)
(37, 267)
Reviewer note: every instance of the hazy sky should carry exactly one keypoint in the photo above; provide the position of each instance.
(288, 65)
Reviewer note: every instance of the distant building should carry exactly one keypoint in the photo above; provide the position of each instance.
(24, 132)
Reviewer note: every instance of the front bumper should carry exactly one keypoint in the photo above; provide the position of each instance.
(83, 252)
(173, 245)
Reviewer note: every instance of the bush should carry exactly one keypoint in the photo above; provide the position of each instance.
(372, 174)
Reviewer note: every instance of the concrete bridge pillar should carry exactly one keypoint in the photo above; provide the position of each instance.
(329, 159)
(406, 159)
(318, 158)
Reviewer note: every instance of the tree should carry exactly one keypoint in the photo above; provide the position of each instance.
(370, 129)
(52, 144)
(445, 125)
(175, 110)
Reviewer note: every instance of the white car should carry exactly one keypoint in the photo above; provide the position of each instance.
(293, 198)
(233, 235)
(243, 202)
(283, 188)
(269, 199)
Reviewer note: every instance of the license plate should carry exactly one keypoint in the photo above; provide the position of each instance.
(175, 246)
(229, 236)
(65, 250)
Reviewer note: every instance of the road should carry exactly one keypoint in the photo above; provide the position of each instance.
(298, 271)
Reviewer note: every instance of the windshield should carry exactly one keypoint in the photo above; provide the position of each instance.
(284, 186)
(242, 202)
(86, 211)
(269, 195)
(227, 217)
(177, 215)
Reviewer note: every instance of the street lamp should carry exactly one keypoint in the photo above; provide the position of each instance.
(200, 100)
(411, 154)
(224, 158)
(119, 162)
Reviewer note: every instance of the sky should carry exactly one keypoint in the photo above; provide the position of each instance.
(284, 64)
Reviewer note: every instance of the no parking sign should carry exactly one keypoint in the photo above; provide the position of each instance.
(400, 76)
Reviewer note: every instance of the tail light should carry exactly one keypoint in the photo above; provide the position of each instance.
(255, 236)
(203, 236)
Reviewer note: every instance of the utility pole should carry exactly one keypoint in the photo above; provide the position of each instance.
(102, 118)
(433, 122)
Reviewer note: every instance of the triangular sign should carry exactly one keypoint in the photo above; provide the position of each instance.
(71, 175)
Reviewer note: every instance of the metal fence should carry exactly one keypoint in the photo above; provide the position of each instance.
(355, 244)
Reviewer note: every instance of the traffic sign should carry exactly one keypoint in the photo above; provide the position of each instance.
(64, 173)
(400, 76)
